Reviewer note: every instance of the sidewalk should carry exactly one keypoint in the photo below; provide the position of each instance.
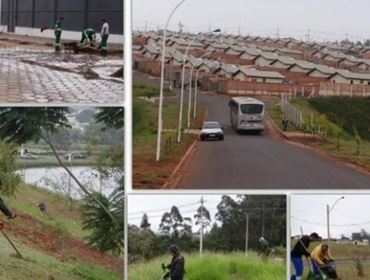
(31, 72)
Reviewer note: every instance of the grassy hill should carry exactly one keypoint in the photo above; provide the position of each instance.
(53, 245)
(351, 112)
(212, 266)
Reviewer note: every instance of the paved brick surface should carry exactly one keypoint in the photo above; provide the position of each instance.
(35, 74)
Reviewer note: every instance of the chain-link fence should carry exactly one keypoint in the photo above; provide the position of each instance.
(78, 14)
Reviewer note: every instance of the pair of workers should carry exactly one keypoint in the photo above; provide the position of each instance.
(88, 36)
(320, 255)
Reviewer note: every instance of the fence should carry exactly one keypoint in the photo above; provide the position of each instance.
(78, 14)
(333, 89)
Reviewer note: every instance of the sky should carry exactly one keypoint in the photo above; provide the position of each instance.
(350, 214)
(155, 205)
(326, 19)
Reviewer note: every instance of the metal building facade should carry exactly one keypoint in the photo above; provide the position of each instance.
(78, 14)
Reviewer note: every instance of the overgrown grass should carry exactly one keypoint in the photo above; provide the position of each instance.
(212, 266)
(353, 113)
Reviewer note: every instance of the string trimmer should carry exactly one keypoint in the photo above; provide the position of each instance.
(19, 255)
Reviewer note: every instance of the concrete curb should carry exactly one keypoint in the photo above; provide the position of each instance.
(176, 175)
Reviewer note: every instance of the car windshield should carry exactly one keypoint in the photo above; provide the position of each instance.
(251, 108)
(211, 125)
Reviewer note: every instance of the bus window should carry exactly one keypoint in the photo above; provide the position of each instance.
(251, 108)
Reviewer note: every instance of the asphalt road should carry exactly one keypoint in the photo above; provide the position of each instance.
(261, 162)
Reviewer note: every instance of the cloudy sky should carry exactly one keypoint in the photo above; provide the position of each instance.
(349, 215)
(327, 20)
(156, 205)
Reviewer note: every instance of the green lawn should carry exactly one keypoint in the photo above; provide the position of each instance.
(212, 266)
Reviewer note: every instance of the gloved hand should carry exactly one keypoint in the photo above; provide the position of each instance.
(13, 216)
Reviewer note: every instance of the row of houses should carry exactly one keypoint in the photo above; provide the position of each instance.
(223, 59)
(278, 63)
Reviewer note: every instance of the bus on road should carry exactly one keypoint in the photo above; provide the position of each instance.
(247, 114)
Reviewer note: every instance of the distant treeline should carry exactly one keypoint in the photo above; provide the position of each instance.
(225, 232)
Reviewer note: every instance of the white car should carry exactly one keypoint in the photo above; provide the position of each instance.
(211, 130)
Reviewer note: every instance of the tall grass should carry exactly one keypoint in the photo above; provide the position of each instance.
(215, 266)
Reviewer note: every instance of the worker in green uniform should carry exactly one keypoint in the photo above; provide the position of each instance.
(104, 37)
(88, 35)
(58, 33)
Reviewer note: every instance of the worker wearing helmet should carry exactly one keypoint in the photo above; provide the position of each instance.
(177, 265)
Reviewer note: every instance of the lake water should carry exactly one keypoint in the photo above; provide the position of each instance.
(57, 179)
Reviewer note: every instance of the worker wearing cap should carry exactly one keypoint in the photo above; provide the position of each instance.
(104, 37)
(58, 33)
(320, 256)
(299, 250)
(5, 209)
(177, 265)
(88, 35)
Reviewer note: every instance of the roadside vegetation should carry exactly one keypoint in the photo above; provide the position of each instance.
(147, 172)
(223, 241)
(67, 238)
(338, 125)
(216, 266)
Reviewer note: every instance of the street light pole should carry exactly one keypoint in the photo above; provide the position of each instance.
(328, 211)
(190, 87)
(183, 83)
(160, 105)
(182, 86)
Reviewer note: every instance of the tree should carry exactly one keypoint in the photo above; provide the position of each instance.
(141, 244)
(8, 167)
(112, 117)
(166, 224)
(19, 125)
(145, 222)
(202, 215)
(104, 234)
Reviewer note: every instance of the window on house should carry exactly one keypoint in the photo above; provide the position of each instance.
(351, 82)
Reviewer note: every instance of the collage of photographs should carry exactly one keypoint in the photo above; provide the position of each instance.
(184, 140)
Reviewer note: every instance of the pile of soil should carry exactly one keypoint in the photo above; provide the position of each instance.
(118, 74)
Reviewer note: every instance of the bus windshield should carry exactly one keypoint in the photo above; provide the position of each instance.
(251, 108)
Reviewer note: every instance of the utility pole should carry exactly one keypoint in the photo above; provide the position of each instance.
(246, 233)
(201, 226)
(263, 218)
(328, 221)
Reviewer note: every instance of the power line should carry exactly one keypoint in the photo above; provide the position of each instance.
(324, 225)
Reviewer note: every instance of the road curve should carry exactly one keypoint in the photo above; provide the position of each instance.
(261, 162)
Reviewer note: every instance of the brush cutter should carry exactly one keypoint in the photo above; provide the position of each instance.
(19, 255)
(166, 275)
